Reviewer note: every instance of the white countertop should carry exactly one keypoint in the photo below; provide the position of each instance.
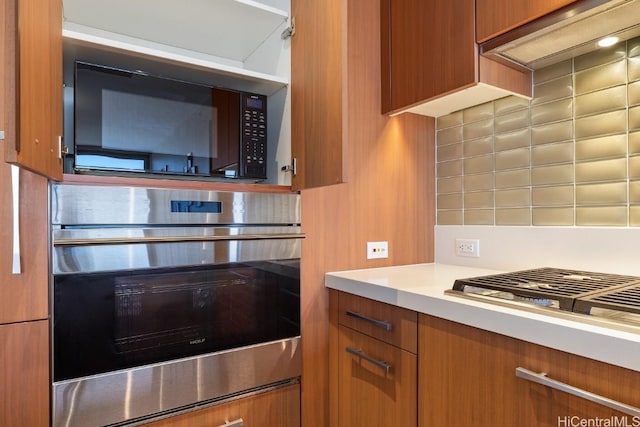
(421, 287)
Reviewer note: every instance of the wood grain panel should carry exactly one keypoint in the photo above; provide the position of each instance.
(403, 322)
(433, 50)
(389, 196)
(35, 64)
(24, 369)
(279, 407)
(512, 78)
(467, 377)
(368, 395)
(494, 17)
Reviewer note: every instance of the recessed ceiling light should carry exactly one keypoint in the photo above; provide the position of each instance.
(608, 41)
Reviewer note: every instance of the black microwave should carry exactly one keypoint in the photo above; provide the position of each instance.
(134, 122)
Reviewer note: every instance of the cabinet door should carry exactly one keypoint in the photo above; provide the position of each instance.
(317, 50)
(495, 17)
(369, 395)
(32, 78)
(24, 369)
(279, 407)
(428, 50)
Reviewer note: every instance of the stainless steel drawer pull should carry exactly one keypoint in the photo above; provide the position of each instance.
(541, 378)
(379, 323)
(362, 355)
(235, 423)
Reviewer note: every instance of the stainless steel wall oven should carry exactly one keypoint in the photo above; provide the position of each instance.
(163, 299)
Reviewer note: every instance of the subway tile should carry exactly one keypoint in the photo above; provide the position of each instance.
(599, 57)
(478, 164)
(553, 132)
(552, 153)
(513, 159)
(557, 195)
(449, 152)
(478, 199)
(450, 201)
(554, 71)
(513, 178)
(552, 216)
(552, 90)
(513, 216)
(601, 124)
(601, 170)
(552, 111)
(451, 168)
(449, 135)
(450, 120)
(477, 129)
(634, 191)
(633, 47)
(478, 147)
(601, 194)
(601, 216)
(634, 143)
(601, 77)
(449, 217)
(634, 167)
(477, 182)
(634, 216)
(633, 68)
(513, 198)
(478, 217)
(449, 185)
(509, 104)
(634, 93)
(511, 140)
(601, 148)
(556, 174)
(512, 121)
(600, 101)
(478, 113)
(634, 118)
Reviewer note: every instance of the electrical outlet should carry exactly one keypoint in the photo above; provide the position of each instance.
(377, 250)
(468, 247)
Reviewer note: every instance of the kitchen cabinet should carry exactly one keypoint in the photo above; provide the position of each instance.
(495, 17)
(32, 85)
(280, 406)
(430, 60)
(377, 363)
(467, 377)
(318, 67)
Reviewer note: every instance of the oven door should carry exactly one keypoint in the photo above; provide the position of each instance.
(187, 316)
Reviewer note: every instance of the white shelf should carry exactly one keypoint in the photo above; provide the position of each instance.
(214, 35)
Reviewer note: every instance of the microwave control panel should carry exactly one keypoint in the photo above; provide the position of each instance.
(253, 150)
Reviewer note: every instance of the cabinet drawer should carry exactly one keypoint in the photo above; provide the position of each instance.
(388, 323)
(377, 382)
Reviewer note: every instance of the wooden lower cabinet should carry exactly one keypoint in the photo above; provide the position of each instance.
(24, 374)
(467, 378)
(276, 408)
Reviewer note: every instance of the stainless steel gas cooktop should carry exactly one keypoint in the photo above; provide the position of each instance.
(608, 297)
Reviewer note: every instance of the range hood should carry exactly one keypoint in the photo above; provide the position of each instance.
(569, 32)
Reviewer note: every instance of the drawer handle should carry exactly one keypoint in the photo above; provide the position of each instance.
(379, 323)
(362, 355)
(541, 378)
(235, 423)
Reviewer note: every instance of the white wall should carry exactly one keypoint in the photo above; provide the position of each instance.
(606, 250)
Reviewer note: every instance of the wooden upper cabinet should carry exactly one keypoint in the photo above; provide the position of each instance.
(430, 57)
(494, 17)
(32, 78)
(317, 63)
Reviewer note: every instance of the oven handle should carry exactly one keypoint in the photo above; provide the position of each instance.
(541, 378)
(172, 239)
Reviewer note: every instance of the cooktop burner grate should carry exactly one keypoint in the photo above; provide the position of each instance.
(562, 285)
(621, 299)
